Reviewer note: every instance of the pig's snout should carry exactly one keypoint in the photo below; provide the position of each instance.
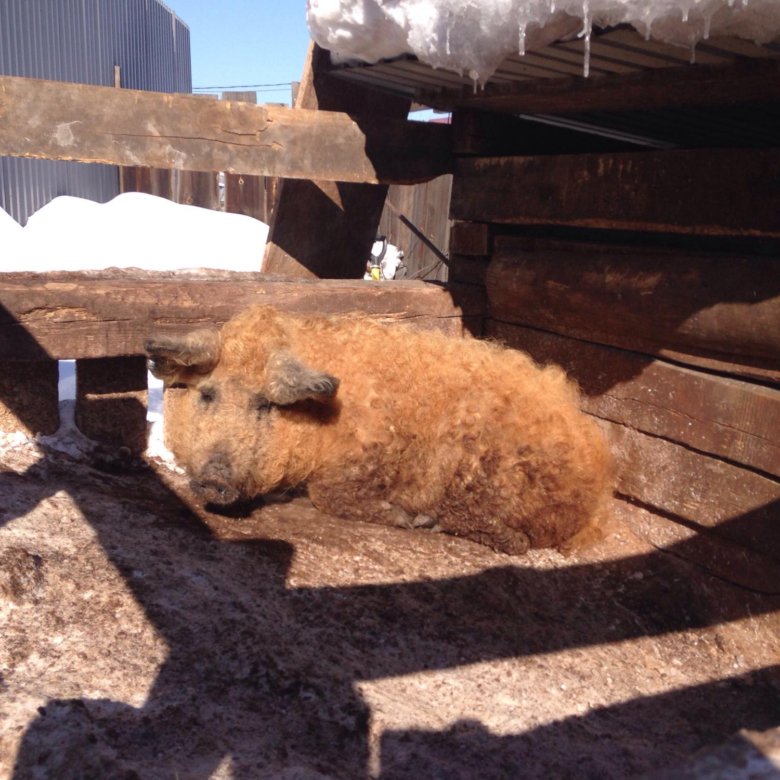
(214, 484)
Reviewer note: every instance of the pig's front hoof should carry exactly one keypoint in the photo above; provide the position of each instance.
(426, 522)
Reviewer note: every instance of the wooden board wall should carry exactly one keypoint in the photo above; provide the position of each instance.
(326, 228)
(697, 439)
(672, 334)
(691, 191)
(426, 206)
(110, 313)
(62, 121)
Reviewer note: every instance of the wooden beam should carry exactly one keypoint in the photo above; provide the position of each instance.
(719, 312)
(63, 121)
(319, 228)
(488, 134)
(727, 418)
(695, 191)
(724, 558)
(745, 81)
(28, 397)
(735, 503)
(111, 401)
(108, 314)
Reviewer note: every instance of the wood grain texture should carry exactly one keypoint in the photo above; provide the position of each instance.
(723, 558)
(111, 401)
(693, 191)
(28, 397)
(471, 238)
(108, 314)
(64, 121)
(731, 419)
(720, 312)
(746, 81)
(732, 502)
(321, 228)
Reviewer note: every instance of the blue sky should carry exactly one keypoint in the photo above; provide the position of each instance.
(237, 42)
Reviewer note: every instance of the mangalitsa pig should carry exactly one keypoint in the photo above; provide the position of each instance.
(385, 424)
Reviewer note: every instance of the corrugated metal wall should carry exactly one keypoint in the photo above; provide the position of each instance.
(82, 41)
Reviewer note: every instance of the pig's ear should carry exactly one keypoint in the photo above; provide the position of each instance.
(174, 358)
(289, 381)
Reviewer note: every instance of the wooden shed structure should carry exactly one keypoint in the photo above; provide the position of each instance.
(624, 225)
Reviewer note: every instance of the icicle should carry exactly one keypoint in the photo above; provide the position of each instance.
(707, 21)
(685, 14)
(552, 7)
(586, 30)
(585, 19)
(586, 63)
(521, 40)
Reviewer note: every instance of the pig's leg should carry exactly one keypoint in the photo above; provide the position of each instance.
(356, 502)
(511, 541)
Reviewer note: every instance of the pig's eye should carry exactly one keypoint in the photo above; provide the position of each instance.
(260, 403)
(208, 395)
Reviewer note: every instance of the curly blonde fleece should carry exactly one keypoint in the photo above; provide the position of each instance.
(424, 429)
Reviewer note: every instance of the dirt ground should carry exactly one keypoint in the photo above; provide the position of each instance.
(143, 637)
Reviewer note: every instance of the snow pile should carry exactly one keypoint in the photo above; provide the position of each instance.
(134, 230)
(474, 36)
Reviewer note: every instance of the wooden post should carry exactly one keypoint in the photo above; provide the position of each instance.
(326, 229)
(28, 396)
(111, 400)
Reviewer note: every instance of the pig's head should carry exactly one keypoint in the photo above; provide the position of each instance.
(243, 409)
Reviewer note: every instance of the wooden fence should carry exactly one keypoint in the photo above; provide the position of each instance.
(250, 195)
(101, 320)
(415, 217)
(410, 210)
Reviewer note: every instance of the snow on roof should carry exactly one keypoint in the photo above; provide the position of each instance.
(474, 36)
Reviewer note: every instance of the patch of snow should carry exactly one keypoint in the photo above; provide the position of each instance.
(134, 230)
(473, 38)
(68, 439)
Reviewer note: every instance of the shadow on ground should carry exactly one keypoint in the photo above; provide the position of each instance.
(264, 675)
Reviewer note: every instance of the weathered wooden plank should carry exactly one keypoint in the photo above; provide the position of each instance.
(28, 397)
(692, 191)
(410, 209)
(731, 502)
(246, 195)
(319, 228)
(721, 557)
(488, 133)
(468, 269)
(731, 419)
(470, 238)
(745, 81)
(715, 311)
(64, 121)
(106, 314)
(111, 401)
